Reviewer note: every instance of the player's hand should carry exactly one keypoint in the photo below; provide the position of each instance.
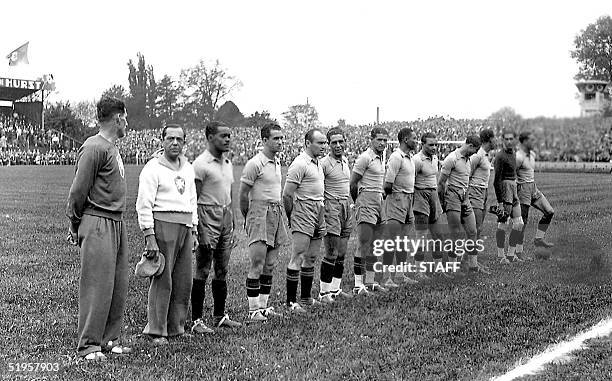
(194, 233)
(151, 247)
(500, 207)
(73, 237)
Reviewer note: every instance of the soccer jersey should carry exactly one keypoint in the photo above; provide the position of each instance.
(264, 176)
(457, 167)
(308, 174)
(217, 176)
(426, 171)
(400, 172)
(525, 166)
(337, 176)
(481, 169)
(370, 167)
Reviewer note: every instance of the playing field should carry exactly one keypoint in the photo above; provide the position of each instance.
(473, 328)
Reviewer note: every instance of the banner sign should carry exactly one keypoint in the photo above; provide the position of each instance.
(20, 84)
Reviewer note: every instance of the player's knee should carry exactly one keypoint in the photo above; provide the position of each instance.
(548, 216)
(220, 274)
(517, 223)
(502, 225)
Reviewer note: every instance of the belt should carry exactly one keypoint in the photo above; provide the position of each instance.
(225, 206)
(337, 198)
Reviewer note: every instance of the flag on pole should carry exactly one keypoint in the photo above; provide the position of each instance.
(19, 55)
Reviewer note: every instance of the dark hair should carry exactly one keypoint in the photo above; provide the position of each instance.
(310, 134)
(524, 136)
(427, 135)
(173, 125)
(212, 127)
(335, 131)
(108, 107)
(404, 133)
(486, 135)
(378, 130)
(474, 140)
(508, 131)
(267, 128)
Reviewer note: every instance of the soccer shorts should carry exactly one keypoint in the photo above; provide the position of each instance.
(265, 222)
(215, 226)
(308, 217)
(457, 200)
(427, 202)
(528, 193)
(368, 208)
(478, 197)
(338, 217)
(509, 193)
(399, 208)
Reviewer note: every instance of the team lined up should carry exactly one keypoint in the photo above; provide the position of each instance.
(183, 207)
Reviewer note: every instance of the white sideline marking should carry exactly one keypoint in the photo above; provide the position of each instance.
(557, 351)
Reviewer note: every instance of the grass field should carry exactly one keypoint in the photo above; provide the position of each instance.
(472, 328)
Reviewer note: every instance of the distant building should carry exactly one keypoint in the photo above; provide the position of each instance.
(594, 97)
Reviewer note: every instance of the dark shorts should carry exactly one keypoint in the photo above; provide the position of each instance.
(478, 197)
(215, 226)
(457, 200)
(528, 193)
(427, 202)
(308, 217)
(509, 193)
(338, 217)
(399, 208)
(368, 208)
(265, 222)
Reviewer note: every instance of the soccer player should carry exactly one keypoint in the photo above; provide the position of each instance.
(167, 215)
(399, 187)
(303, 199)
(504, 183)
(426, 206)
(95, 207)
(338, 219)
(453, 188)
(528, 192)
(366, 187)
(260, 205)
(214, 176)
(479, 178)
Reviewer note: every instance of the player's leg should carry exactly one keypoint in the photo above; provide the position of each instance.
(308, 270)
(521, 238)
(328, 263)
(365, 233)
(265, 281)
(469, 226)
(339, 269)
(203, 262)
(542, 204)
(181, 282)
(392, 229)
(221, 259)
(257, 256)
(515, 233)
(301, 243)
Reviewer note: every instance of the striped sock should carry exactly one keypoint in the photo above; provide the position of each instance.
(293, 277)
(327, 273)
(253, 288)
(265, 282)
(306, 278)
(358, 273)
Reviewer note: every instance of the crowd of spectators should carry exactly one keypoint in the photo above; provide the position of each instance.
(569, 140)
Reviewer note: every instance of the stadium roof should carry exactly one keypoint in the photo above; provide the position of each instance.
(14, 89)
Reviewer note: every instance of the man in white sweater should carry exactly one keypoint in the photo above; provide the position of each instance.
(167, 215)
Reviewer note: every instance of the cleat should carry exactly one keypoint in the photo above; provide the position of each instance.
(361, 290)
(420, 277)
(327, 298)
(514, 258)
(504, 261)
(376, 288)
(269, 312)
(390, 284)
(200, 327)
(524, 257)
(159, 341)
(339, 294)
(257, 315)
(540, 242)
(118, 349)
(485, 268)
(296, 308)
(443, 275)
(225, 321)
(95, 356)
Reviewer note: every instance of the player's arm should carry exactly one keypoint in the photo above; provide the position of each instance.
(519, 162)
(393, 168)
(193, 202)
(86, 173)
(147, 190)
(447, 165)
(243, 195)
(474, 163)
(497, 179)
(288, 193)
(250, 174)
(353, 185)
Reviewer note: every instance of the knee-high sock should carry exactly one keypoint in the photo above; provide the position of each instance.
(253, 289)
(327, 273)
(265, 286)
(198, 292)
(293, 278)
(358, 268)
(306, 278)
(219, 291)
(338, 271)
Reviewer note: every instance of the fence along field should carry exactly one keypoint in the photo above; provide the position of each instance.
(473, 328)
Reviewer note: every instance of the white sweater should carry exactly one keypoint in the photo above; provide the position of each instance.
(163, 189)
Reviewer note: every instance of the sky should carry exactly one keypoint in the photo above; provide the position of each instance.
(463, 59)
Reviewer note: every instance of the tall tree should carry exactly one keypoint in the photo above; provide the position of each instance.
(86, 112)
(506, 117)
(61, 117)
(230, 114)
(594, 51)
(167, 98)
(301, 117)
(205, 86)
(258, 119)
(116, 91)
